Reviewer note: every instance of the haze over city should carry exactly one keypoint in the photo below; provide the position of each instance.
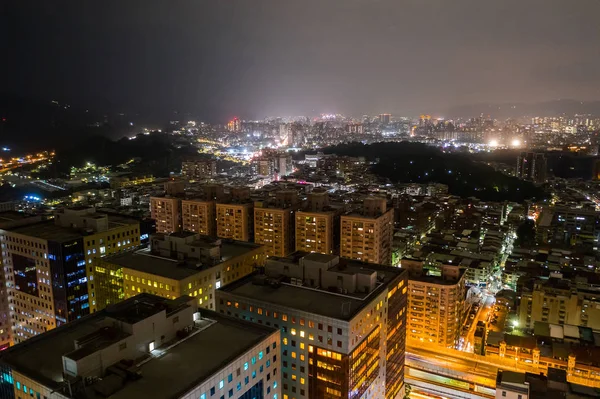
(252, 59)
(334, 199)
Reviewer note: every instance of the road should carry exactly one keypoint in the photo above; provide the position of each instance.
(452, 366)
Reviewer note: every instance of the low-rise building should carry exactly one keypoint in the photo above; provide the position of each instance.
(146, 347)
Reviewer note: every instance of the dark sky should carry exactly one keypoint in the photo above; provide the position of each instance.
(254, 58)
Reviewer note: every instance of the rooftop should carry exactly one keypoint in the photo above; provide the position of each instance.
(317, 300)
(143, 261)
(216, 341)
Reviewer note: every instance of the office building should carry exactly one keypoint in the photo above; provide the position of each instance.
(177, 264)
(436, 304)
(147, 347)
(366, 235)
(199, 169)
(8, 220)
(342, 323)
(235, 216)
(532, 166)
(48, 266)
(559, 300)
(317, 225)
(274, 223)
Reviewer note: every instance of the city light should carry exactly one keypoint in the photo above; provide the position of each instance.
(516, 143)
(493, 143)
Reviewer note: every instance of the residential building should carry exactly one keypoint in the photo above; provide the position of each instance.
(147, 347)
(367, 235)
(342, 323)
(515, 385)
(199, 169)
(563, 225)
(436, 304)
(166, 211)
(235, 216)
(274, 223)
(177, 264)
(199, 216)
(532, 166)
(317, 225)
(561, 301)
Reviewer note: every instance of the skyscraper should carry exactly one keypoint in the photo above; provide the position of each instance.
(366, 235)
(384, 118)
(235, 215)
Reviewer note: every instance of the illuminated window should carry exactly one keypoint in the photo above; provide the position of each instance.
(301, 345)
(311, 337)
(284, 317)
(302, 334)
(294, 355)
(293, 331)
(302, 357)
(301, 380)
(285, 341)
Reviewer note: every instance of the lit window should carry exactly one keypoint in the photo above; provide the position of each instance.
(293, 331)
(260, 355)
(246, 366)
(221, 384)
(302, 334)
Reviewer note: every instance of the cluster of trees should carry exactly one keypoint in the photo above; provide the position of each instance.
(418, 163)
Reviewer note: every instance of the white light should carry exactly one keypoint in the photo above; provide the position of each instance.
(516, 143)
(493, 143)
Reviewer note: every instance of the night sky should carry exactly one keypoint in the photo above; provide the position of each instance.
(257, 58)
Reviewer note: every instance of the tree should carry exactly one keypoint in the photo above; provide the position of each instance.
(526, 234)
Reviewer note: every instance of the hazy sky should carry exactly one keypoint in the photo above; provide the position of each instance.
(254, 58)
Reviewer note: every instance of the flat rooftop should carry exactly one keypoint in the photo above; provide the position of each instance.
(217, 341)
(317, 301)
(143, 261)
(47, 230)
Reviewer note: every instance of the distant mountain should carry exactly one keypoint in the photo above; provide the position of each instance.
(29, 125)
(515, 110)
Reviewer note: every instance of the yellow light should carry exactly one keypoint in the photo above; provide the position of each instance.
(493, 143)
(516, 143)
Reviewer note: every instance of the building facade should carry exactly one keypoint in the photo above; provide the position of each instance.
(367, 235)
(166, 211)
(199, 216)
(93, 357)
(342, 323)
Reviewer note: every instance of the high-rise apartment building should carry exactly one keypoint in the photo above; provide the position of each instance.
(48, 266)
(367, 235)
(436, 304)
(199, 169)
(559, 300)
(166, 211)
(177, 264)
(235, 216)
(147, 347)
(274, 223)
(199, 216)
(317, 225)
(532, 166)
(342, 323)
